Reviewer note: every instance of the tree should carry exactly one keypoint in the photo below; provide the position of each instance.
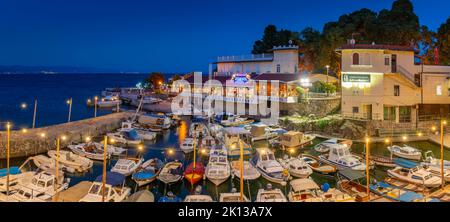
(272, 37)
(153, 81)
(309, 47)
(443, 42)
(427, 44)
(174, 78)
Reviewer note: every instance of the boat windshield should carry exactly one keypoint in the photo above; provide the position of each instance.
(96, 189)
(271, 156)
(38, 183)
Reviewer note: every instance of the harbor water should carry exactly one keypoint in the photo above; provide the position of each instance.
(53, 90)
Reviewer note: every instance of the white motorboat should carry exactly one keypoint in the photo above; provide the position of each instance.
(187, 145)
(198, 197)
(316, 165)
(147, 172)
(235, 121)
(417, 175)
(261, 132)
(233, 139)
(109, 101)
(43, 187)
(49, 164)
(127, 166)
(69, 159)
(297, 167)
(432, 162)
(144, 134)
(295, 140)
(172, 172)
(250, 172)
(405, 151)
(323, 147)
(94, 151)
(17, 178)
(198, 130)
(126, 136)
(115, 189)
(233, 196)
(269, 167)
(341, 157)
(218, 169)
(304, 190)
(208, 142)
(215, 129)
(270, 195)
(155, 122)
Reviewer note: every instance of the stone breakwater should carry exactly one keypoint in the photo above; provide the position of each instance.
(32, 143)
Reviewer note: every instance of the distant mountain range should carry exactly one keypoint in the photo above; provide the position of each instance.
(18, 69)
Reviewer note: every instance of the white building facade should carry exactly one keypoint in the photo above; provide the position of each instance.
(384, 82)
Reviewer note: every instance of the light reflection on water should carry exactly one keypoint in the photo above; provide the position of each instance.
(172, 138)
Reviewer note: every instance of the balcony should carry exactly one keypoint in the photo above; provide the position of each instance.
(245, 58)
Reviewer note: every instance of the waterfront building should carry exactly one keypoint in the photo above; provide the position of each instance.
(388, 83)
(250, 80)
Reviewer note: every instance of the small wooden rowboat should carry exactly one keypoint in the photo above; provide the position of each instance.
(194, 174)
(379, 160)
(315, 164)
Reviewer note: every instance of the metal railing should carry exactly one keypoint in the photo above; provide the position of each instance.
(252, 57)
(405, 73)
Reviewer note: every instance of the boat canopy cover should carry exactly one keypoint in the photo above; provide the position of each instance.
(235, 130)
(112, 178)
(132, 134)
(258, 130)
(352, 174)
(405, 163)
(143, 175)
(12, 171)
(304, 184)
(141, 196)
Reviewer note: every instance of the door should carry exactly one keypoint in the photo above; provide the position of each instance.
(367, 111)
(394, 63)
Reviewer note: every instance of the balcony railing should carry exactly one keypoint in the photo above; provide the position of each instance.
(252, 57)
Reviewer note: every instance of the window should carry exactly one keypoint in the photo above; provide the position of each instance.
(355, 109)
(355, 59)
(439, 90)
(278, 68)
(396, 90)
(386, 61)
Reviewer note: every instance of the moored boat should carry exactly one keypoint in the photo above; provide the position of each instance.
(127, 166)
(270, 195)
(69, 159)
(295, 140)
(341, 157)
(269, 167)
(115, 189)
(405, 151)
(417, 175)
(147, 172)
(316, 165)
(218, 169)
(250, 172)
(323, 147)
(297, 167)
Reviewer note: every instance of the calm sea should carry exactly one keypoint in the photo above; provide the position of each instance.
(52, 92)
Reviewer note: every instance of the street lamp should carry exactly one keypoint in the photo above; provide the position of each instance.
(8, 138)
(367, 167)
(95, 106)
(87, 139)
(443, 122)
(105, 151)
(69, 102)
(328, 68)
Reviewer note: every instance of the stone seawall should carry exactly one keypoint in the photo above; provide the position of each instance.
(319, 107)
(32, 143)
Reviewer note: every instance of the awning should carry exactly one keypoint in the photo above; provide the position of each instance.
(304, 184)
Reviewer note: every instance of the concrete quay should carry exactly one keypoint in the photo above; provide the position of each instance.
(29, 143)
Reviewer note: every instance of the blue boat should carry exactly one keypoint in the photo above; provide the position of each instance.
(398, 194)
(405, 163)
(170, 198)
(148, 172)
(12, 171)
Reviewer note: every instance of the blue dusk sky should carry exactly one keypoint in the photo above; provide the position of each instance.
(165, 35)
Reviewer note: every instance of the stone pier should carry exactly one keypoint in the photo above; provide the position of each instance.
(30, 143)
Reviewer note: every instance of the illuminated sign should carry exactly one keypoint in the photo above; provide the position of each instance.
(362, 78)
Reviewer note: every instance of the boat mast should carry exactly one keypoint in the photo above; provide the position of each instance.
(241, 166)
(139, 106)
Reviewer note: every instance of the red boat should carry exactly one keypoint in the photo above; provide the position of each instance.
(194, 174)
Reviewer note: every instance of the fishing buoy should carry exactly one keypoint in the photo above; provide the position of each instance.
(325, 187)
